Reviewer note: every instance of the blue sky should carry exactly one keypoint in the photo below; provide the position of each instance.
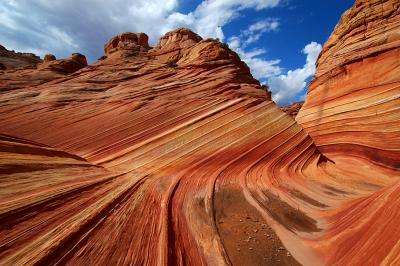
(278, 39)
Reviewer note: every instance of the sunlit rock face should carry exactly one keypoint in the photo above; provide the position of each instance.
(176, 155)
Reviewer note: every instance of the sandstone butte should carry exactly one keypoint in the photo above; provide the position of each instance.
(177, 155)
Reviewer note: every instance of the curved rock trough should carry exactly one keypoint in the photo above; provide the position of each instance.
(176, 155)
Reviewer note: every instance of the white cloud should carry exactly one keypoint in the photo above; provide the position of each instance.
(63, 27)
(210, 16)
(254, 32)
(260, 68)
(286, 88)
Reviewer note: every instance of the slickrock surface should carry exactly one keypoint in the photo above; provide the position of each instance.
(176, 155)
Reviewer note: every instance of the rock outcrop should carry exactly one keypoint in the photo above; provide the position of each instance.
(173, 45)
(33, 75)
(127, 43)
(12, 59)
(49, 58)
(176, 155)
(292, 109)
(65, 66)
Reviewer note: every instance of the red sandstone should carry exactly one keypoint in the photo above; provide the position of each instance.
(176, 155)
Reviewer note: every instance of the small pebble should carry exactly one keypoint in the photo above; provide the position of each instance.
(250, 248)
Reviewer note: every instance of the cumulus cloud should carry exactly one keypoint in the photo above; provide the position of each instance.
(63, 27)
(286, 88)
(254, 32)
(210, 16)
(260, 68)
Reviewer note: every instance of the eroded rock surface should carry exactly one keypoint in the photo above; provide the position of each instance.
(176, 155)
(352, 110)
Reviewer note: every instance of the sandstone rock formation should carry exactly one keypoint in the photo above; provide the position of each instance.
(292, 109)
(134, 160)
(357, 84)
(127, 43)
(33, 75)
(49, 58)
(11, 59)
(64, 66)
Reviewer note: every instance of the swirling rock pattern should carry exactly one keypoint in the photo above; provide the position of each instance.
(176, 155)
(352, 111)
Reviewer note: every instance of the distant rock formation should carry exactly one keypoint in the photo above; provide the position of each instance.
(65, 66)
(292, 109)
(128, 43)
(11, 59)
(176, 155)
(49, 58)
(46, 71)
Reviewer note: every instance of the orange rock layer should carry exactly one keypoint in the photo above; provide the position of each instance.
(176, 155)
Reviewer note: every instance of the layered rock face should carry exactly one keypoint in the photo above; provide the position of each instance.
(352, 110)
(176, 155)
(352, 104)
